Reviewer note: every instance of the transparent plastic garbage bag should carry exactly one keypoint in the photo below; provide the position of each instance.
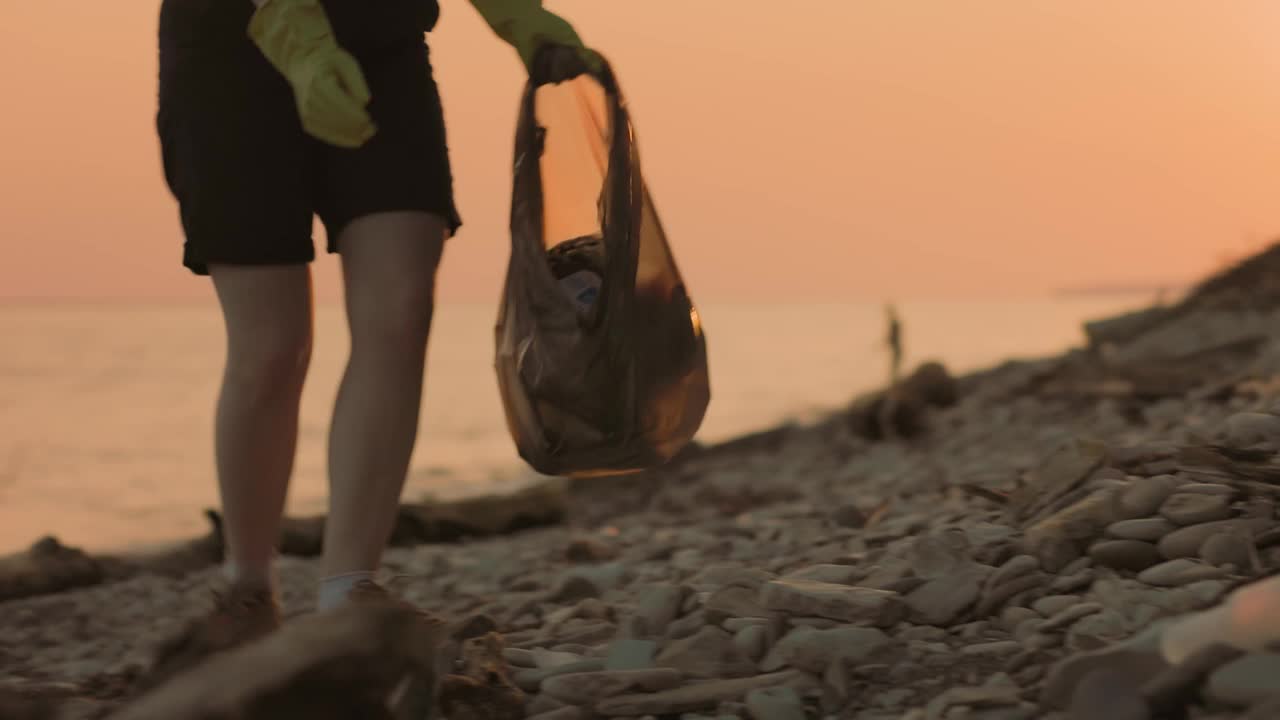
(601, 358)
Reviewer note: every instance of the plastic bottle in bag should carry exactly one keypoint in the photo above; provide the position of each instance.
(579, 266)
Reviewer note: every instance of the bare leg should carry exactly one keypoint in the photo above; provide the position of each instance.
(389, 263)
(267, 311)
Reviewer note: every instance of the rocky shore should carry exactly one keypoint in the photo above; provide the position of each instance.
(994, 547)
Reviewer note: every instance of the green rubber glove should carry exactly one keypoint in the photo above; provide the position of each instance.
(328, 85)
(526, 26)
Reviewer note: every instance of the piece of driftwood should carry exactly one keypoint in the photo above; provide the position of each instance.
(537, 505)
(1123, 328)
(1057, 476)
(49, 567)
(1208, 372)
(901, 411)
(1245, 465)
(337, 665)
(1060, 538)
(481, 688)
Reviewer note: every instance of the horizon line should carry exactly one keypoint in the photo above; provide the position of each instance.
(1119, 290)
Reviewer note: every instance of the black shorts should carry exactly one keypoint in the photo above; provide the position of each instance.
(248, 180)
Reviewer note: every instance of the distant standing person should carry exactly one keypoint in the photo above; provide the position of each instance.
(894, 342)
(889, 405)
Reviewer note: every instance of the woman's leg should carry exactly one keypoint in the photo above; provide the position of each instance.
(387, 209)
(389, 262)
(267, 312)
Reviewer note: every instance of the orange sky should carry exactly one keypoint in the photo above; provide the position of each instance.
(816, 149)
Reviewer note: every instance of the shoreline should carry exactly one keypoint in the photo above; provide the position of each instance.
(55, 479)
(967, 546)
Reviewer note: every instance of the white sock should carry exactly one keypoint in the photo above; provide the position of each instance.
(239, 576)
(334, 589)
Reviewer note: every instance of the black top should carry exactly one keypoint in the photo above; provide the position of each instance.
(363, 22)
(356, 23)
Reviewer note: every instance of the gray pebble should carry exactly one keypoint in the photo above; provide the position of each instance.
(1179, 572)
(1195, 508)
(1013, 616)
(1068, 616)
(1145, 496)
(1133, 555)
(1208, 489)
(1074, 582)
(1148, 529)
(1228, 547)
(1000, 647)
(1016, 566)
(1054, 604)
(922, 633)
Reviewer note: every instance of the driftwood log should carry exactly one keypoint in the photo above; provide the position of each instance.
(49, 567)
(330, 666)
(901, 411)
(482, 689)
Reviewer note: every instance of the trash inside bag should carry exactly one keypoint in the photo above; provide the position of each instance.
(601, 358)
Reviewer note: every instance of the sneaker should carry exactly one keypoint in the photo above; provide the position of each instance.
(368, 591)
(239, 616)
(415, 696)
